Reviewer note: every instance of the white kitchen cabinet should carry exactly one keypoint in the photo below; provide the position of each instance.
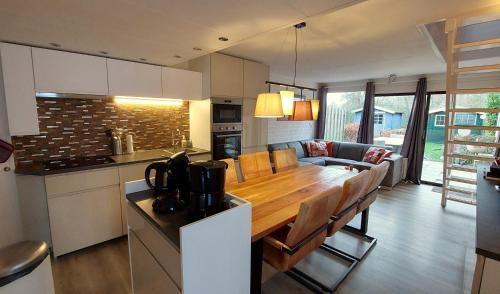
(19, 89)
(254, 137)
(84, 218)
(255, 76)
(226, 76)
(65, 72)
(127, 78)
(181, 84)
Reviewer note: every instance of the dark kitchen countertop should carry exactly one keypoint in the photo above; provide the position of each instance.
(487, 217)
(39, 169)
(168, 224)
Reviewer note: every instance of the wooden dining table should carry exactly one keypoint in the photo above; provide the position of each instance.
(276, 200)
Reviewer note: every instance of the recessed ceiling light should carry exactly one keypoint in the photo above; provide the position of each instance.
(104, 52)
(177, 56)
(55, 45)
(196, 49)
(223, 39)
(142, 59)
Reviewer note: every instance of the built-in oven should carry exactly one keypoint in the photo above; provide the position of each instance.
(226, 141)
(226, 110)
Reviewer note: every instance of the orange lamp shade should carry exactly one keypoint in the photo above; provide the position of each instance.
(268, 105)
(315, 108)
(302, 110)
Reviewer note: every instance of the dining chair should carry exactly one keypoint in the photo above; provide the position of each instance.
(285, 159)
(287, 246)
(231, 175)
(378, 174)
(255, 165)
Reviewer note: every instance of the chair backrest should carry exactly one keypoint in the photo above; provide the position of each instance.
(285, 159)
(378, 173)
(231, 175)
(352, 190)
(313, 213)
(254, 165)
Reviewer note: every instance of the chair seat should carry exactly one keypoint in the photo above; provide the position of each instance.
(282, 261)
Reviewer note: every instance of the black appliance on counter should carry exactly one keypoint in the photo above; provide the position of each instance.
(207, 180)
(171, 183)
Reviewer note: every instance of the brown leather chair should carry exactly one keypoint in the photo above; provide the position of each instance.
(284, 248)
(231, 175)
(346, 209)
(378, 173)
(285, 159)
(255, 165)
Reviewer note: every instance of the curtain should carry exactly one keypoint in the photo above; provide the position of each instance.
(414, 141)
(320, 124)
(365, 132)
(497, 152)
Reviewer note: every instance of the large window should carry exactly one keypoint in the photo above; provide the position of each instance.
(343, 114)
(391, 118)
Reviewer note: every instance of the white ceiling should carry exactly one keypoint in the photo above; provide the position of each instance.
(152, 29)
(369, 40)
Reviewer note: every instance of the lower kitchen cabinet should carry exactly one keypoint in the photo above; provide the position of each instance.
(81, 219)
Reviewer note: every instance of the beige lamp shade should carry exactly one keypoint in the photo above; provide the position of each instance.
(315, 108)
(302, 110)
(287, 98)
(269, 105)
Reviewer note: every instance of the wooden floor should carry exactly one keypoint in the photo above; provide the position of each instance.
(421, 248)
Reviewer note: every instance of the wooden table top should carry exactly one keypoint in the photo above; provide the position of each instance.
(276, 198)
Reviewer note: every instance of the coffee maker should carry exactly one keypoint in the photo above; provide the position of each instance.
(207, 180)
(171, 183)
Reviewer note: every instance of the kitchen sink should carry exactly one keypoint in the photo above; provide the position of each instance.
(175, 150)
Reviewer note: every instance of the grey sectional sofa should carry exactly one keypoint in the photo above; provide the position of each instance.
(345, 154)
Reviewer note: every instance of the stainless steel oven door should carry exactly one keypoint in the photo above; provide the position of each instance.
(226, 145)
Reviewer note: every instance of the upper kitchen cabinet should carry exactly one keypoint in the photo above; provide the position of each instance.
(222, 75)
(65, 72)
(181, 84)
(226, 76)
(255, 76)
(127, 78)
(19, 89)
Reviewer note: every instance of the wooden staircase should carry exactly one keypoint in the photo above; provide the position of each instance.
(453, 186)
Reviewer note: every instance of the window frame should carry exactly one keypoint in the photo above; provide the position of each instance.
(436, 120)
(380, 114)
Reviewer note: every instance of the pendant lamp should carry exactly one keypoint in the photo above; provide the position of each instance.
(314, 108)
(302, 110)
(268, 105)
(287, 98)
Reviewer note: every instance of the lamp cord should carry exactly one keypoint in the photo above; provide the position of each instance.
(295, 67)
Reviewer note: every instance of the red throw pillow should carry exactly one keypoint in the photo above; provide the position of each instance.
(386, 154)
(373, 155)
(316, 149)
(329, 146)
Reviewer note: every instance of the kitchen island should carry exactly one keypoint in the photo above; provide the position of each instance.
(174, 253)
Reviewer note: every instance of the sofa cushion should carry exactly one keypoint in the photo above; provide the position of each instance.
(360, 165)
(339, 161)
(314, 160)
(299, 149)
(315, 149)
(352, 151)
(373, 155)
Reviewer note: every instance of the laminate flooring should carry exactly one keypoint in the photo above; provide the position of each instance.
(421, 248)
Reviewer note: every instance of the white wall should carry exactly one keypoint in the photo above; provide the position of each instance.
(435, 82)
(10, 218)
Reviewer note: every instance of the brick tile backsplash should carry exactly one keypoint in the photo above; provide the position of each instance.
(76, 128)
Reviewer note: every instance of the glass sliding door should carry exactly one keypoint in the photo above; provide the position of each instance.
(432, 167)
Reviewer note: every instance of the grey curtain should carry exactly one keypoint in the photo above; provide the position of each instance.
(497, 152)
(365, 132)
(414, 141)
(320, 124)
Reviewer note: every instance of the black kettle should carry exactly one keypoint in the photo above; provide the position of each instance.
(160, 180)
(207, 180)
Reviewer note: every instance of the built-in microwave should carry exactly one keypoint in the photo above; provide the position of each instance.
(226, 110)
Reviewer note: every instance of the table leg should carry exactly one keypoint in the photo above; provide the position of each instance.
(256, 266)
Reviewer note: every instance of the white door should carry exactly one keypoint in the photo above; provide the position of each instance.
(10, 219)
